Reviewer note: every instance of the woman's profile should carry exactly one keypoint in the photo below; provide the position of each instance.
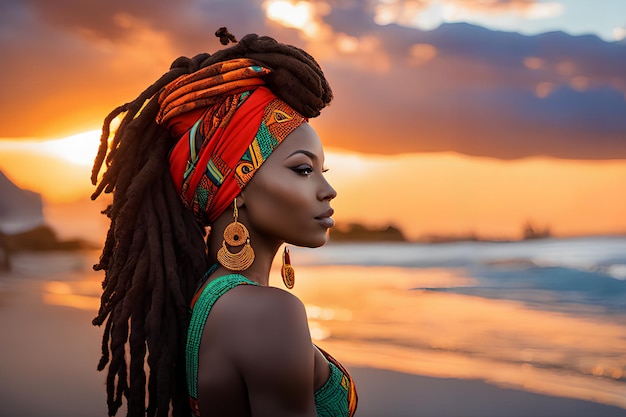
(213, 168)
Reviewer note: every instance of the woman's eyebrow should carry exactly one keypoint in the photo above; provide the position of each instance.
(305, 152)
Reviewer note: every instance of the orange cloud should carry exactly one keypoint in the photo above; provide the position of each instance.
(421, 53)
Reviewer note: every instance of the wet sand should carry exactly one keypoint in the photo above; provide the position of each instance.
(50, 352)
(386, 393)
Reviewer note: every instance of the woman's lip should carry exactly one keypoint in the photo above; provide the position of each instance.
(327, 213)
(327, 222)
(325, 218)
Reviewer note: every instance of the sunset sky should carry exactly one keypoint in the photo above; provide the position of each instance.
(449, 116)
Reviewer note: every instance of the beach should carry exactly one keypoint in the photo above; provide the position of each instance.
(416, 343)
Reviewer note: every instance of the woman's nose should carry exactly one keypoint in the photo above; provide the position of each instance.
(327, 192)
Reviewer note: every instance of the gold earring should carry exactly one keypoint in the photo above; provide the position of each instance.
(236, 234)
(287, 271)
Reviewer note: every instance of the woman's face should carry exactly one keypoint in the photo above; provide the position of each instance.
(288, 199)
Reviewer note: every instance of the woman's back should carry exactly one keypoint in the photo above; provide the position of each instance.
(255, 355)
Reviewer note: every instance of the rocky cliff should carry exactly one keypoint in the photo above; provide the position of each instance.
(22, 225)
(20, 210)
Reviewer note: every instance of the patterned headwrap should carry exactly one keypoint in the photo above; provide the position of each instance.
(228, 125)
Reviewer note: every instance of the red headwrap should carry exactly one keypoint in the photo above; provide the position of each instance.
(221, 146)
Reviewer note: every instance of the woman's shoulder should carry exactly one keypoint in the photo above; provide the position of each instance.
(262, 333)
(256, 303)
(259, 326)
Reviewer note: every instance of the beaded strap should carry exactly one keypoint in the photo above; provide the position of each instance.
(200, 311)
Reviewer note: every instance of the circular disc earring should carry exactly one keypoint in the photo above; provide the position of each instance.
(236, 234)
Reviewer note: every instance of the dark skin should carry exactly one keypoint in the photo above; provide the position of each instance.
(256, 355)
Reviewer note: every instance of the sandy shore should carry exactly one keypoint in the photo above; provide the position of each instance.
(386, 393)
(49, 356)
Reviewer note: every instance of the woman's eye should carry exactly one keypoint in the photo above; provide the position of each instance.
(303, 169)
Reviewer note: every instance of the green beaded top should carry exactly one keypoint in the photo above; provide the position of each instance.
(336, 398)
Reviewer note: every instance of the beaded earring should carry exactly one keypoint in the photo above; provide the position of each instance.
(287, 271)
(236, 234)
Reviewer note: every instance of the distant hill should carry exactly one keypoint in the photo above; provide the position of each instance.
(22, 224)
(42, 238)
(20, 210)
(359, 233)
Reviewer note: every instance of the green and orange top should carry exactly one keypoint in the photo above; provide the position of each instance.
(337, 397)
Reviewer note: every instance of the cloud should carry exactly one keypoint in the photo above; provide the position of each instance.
(530, 9)
(458, 87)
(480, 92)
(429, 14)
(67, 63)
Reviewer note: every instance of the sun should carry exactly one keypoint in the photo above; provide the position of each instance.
(78, 149)
(58, 169)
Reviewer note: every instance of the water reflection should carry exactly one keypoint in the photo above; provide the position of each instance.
(441, 334)
(81, 294)
(377, 316)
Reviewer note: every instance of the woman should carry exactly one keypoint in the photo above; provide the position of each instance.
(221, 143)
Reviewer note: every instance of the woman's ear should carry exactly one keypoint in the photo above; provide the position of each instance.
(241, 200)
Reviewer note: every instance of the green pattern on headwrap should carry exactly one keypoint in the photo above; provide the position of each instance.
(267, 142)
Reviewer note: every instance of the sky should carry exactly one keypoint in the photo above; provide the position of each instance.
(449, 116)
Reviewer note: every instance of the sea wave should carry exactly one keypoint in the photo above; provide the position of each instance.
(553, 274)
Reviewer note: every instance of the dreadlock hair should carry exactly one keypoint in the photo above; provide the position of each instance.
(155, 251)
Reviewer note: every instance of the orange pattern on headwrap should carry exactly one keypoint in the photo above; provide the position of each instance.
(222, 146)
(208, 85)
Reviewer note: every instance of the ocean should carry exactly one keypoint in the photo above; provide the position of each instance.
(546, 316)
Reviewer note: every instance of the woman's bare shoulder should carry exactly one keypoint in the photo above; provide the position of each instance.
(252, 312)
(269, 319)
(264, 333)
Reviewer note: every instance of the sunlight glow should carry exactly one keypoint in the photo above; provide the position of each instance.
(412, 14)
(505, 12)
(79, 149)
(430, 14)
(81, 295)
(439, 193)
(296, 15)
(347, 44)
(544, 10)
(58, 169)
(300, 15)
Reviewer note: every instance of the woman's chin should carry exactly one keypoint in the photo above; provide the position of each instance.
(311, 243)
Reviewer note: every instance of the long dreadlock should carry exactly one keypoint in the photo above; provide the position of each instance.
(155, 251)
